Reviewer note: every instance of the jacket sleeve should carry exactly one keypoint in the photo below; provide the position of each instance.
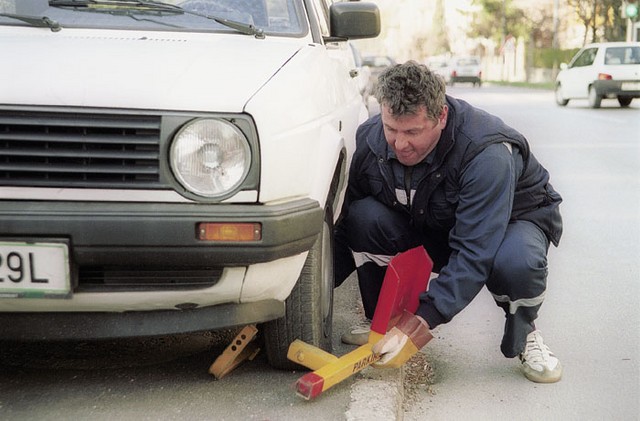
(487, 186)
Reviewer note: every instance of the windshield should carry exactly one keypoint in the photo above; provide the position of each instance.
(273, 17)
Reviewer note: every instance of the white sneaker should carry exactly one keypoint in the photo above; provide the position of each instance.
(538, 362)
(358, 334)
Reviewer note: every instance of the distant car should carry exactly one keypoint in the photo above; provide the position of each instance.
(377, 64)
(361, 73)
(440, 66)
(601, 70)
(466, 69)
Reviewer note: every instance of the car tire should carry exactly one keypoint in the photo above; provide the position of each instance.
(309, 308)
(625, 101)
(560, 100)
(594, 99)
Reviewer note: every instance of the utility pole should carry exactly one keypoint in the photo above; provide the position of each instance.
(554, 43)
(556, 21)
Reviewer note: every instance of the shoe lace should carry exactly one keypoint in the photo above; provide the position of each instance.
(535, 350)
(362, 327)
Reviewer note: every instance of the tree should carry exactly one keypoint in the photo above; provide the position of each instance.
(530, 21)
(439, 39)
(600, 18)
(503, 11)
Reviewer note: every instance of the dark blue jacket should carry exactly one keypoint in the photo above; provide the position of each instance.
(466, 194)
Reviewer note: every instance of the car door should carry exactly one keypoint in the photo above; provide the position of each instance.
(580, 74)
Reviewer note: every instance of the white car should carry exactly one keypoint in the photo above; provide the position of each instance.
(172, 167)
(440, 66)
(465, 69)
(361, 73)
(601, 70)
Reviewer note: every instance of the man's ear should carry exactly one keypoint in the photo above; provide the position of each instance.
(442, 119)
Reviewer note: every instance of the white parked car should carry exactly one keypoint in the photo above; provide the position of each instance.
(465, 69)
(440, 66)
(172, 167)
(361, 73)
(602, 70)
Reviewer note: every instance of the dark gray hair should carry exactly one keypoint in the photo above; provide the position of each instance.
(405, 87)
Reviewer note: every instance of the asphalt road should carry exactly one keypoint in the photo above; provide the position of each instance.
(591, 315)
(590, 318)
(167, 379)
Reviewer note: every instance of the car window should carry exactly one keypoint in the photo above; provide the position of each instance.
(586, 58)
(622, 55)
(275, 17)
(468, 62)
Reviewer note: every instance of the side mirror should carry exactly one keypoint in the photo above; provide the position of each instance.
(354, 20)
(563, 66)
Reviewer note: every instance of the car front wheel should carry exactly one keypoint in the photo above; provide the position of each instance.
(309, 308)
(594, 99)
(560, 100)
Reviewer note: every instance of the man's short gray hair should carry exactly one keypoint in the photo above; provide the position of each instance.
(404, 88)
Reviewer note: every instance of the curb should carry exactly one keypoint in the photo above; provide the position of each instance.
(378, 395)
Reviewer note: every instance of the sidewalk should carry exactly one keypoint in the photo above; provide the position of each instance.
(376, 394)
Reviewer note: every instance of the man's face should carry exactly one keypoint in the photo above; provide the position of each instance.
(413, 136)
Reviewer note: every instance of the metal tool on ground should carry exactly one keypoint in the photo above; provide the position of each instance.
(242, 348)
(407, 276)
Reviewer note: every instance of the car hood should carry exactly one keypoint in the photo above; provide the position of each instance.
(170, 71)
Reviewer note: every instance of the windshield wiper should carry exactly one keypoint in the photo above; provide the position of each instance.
(37, 21)
(118, 8)
(141, 5)
(150, 5)
(238, 26)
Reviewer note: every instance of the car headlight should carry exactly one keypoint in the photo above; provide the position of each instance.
(210, 157)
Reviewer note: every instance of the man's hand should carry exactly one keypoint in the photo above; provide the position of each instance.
(400, 343)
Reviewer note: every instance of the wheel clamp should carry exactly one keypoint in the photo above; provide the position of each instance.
(240, 349)
(407, 276)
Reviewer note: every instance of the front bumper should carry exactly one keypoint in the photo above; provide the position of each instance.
(151, 234)
(253, 278)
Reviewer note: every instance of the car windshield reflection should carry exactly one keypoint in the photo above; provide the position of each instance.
(273, 17)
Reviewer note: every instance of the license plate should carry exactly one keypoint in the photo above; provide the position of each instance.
(630, 86)
(34, 270)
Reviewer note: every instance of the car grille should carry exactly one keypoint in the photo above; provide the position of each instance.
(51, 149)
(119, 278)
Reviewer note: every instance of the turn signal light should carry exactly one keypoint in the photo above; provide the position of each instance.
(604, 76)
(229, 231)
